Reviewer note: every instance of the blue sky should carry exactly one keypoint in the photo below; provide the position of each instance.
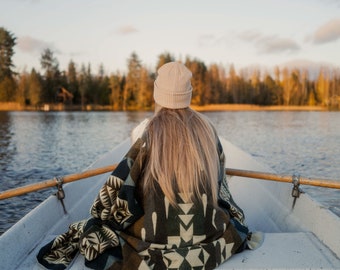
(245, 33)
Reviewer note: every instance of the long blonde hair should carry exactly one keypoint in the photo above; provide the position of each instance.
(183, 156)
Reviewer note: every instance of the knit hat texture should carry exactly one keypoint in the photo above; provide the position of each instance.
(172, 87)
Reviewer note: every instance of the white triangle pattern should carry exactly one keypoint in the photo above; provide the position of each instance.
(173, 260)
(193, 257)
(186, 219)
(186, 234)
(185, 207)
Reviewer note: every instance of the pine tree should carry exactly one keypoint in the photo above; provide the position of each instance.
(7, 43)
(72, 82)
(52, 75)
(7, 82)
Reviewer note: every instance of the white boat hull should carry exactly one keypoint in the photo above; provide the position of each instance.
(306, 237)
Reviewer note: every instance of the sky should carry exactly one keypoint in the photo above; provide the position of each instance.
(245, 33)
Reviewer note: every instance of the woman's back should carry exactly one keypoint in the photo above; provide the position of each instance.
(182, 155)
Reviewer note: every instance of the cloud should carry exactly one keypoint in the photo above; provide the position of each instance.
(328, 32)
(28, 44)
(126, 30)
(267, 43)
(277, 45)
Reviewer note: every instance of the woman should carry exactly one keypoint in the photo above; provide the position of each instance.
(167, 205)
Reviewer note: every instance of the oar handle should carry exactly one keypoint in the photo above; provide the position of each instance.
(284, 178)
(53, 182)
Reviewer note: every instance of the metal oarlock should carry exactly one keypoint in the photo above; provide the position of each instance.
(296, 188)
(60, 192)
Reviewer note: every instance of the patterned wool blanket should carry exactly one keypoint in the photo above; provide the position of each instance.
(127, 231)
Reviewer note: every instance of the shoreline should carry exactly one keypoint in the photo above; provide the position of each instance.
(250, 107)
(206, 108)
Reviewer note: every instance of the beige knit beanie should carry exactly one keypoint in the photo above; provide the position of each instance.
(172, 87)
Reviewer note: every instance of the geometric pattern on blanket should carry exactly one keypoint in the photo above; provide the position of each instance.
(185, 249)
(90, 242)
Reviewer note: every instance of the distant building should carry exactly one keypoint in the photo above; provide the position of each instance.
(64, 96)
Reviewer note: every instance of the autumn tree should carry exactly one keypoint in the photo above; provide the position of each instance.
(334, 90)
(116, 84)
(232, 88)
(22, 88)
(199, 71)
(244, 88)
(29, 89)
(304, 88)
(132, 85)
(35, 89)
(255, 82)
(215, 83)
(7, 89)
(145, 93)
(279, 89)
(322, 88)
(295, 87)
(271, 91)
(286, 95)
(163, 59)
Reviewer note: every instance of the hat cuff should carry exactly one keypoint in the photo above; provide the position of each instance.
(173, 100)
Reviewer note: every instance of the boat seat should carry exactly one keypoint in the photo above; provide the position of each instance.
(279, 250)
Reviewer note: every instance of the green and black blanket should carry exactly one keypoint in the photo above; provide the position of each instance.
(126, 231)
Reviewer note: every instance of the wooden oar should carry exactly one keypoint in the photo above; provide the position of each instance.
(284, 178)
(234, 172)
(53, 182)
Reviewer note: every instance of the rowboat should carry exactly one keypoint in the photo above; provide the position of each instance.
(304, 236)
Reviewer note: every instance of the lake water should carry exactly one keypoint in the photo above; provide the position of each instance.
(36, 146)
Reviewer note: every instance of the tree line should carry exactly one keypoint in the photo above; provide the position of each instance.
(133, 90)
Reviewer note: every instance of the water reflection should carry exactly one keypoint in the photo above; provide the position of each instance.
(7, 150)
